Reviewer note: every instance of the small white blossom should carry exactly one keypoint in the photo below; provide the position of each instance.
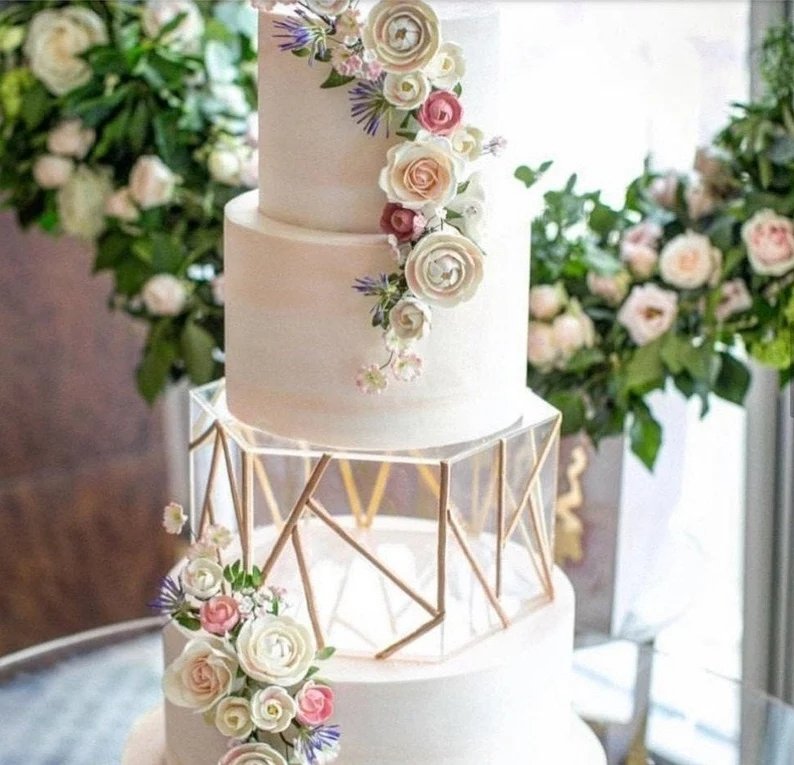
(174, 518)
(371, 380)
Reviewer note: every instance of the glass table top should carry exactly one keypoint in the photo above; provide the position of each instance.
(72, 702)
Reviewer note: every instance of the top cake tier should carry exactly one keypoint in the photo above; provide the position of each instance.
(317, 168)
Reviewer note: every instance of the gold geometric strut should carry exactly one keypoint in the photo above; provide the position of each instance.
(523, 517)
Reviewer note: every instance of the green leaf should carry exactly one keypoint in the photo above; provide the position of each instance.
(336, 80)
(572, 406)
(583, 359)
(153, 371)
(38, 103)
(645, 370)
(530, 177)
(188, 622)
(112, 248)
(733, 379)
(782, 150)
(603, 220)
(325, 653)
(458, 90)
(645, 435)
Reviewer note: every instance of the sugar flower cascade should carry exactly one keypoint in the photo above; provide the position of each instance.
(407, 81)
(250, 669)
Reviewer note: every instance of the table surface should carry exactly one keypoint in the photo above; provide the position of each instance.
(72, 702)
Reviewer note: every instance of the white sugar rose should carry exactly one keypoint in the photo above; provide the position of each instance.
(202, 578)
(328, 7)
(468, 141)
(164, 295)
(734, 298)
(120, 205)
(81, 202)
(444, 269)
(410, 320)
(769, 238)
(611, 288)
(447, 67)
(573, 330)
(201, 675)
(151, 182)
(547, 300)
(421, 172)
(252, 754)
(649, 311)
(187, 34)
(56, 38)
(71, 139)
(224, 166)
(470, 205)
(542, 350)
(273, 709)
(233, 717)
(51, 172)
(275, 649)
(407, 90)
(689, 261)
(404, 35)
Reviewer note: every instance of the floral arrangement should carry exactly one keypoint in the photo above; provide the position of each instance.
(250, 669)
(692, 274)
(405, 79)
(128, 123)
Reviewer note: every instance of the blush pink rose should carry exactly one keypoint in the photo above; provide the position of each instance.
(399, 221)
(441, 113)
(769, 238)
(315, 704)
(219, 615)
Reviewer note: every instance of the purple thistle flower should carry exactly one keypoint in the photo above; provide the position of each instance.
(313, 742)
(372, 285)
(170, 598)
(369, 106)
(294, 32)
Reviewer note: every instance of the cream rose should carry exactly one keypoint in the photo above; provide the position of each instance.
(151, 182)
(421, 172)
(573, 330)
(546, 301)
(120, 205)
(275, 649)
(447, 67)
(444, 269)
(51, 172)
(71, 139)
(202, 578)
(769, 238)
(160, 13)
(55, 40)
(649, 311)
(403, 34)
(410, 319)
(273, 709)
(201, 675)
(81, 202)
(468, 141)
(233, 717)
(542, 350)
(224, 166)
(252, 754)
(407, 90)
(689, 261)
(611, 288)
(164, 295)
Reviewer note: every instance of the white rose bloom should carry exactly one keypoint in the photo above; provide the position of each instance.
(224, 166)
(151, 182)
(273, 709)
(233, 717)
(253, 754)
(159, 13)
(542, 350)
(120, 205)
(447, 67)
(51, 172)
(689, 261)
(547, 300)
(202, 578)
(328, 7)
(232, 99)
(769, 239)
(81, 202)
(470, 205)
(55, 40)
(164, 295)
(275, 649)
(409, 320)
(649, 311)
(201, 675)
(71, 139)
(573, 330)
(406, 91)
(468, 141)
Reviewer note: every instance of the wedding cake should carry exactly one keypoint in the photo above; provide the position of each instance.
(369, 310)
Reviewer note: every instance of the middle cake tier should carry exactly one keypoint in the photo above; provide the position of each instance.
(297, 333)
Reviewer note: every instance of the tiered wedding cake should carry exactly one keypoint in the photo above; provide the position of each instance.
(424, 360)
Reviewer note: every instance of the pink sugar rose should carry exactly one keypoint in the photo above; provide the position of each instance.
(399, 221)
(219, 615)
(441, 113)
(315, 704)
